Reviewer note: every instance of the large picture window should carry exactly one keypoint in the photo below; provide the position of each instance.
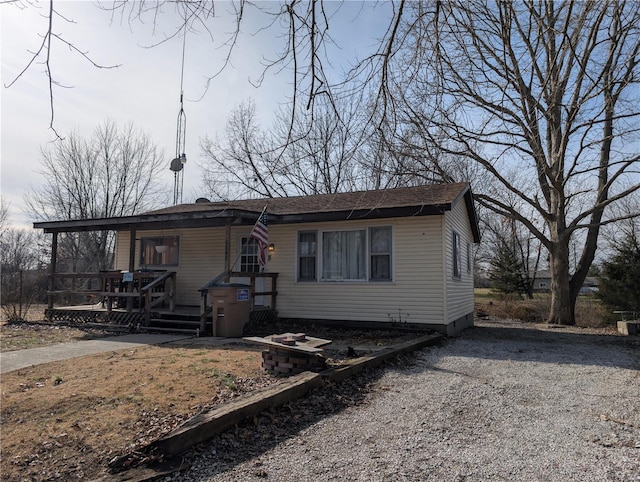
(349, 255)
(344, 255)
(160, 251)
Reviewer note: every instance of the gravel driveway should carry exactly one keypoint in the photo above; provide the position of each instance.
(503, 402)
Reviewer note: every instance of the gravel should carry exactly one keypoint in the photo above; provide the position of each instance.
(504, 401)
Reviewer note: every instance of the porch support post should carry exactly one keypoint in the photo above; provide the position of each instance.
(227, 249)
(132, 266)
(52, 269)
(132, 250)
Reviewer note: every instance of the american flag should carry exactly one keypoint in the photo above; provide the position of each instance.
(260, 233)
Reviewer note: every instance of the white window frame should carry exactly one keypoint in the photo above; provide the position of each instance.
(456, 255)
(371, 255)
(364, 261)
(242, 255)
(319, 255)
(299, 255)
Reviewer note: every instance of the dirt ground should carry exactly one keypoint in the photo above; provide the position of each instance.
(68, 419)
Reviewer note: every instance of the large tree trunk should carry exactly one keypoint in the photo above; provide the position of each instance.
(562, 303)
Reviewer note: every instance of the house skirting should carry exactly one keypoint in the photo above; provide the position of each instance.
(454, 328)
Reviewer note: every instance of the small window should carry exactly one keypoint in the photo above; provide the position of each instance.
(468, 257)
(380, 252)
(457, 256)
(249, 255)
(307, 255)
(159, 251)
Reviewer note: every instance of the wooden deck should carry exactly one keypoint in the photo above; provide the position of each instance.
(145, 300)
(181, 319)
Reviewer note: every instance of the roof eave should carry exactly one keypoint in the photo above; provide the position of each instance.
(234, 217)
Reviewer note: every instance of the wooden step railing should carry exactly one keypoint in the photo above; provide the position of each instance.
(139, 290)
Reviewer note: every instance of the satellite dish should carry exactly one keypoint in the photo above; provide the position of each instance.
(177, 164)
(202, 200)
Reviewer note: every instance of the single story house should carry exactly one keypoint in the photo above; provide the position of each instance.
(373, 257)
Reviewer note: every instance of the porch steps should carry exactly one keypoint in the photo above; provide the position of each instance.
(157, 329)
(176, 324)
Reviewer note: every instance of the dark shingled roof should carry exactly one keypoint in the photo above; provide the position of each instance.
(408, 201)
(420, 196)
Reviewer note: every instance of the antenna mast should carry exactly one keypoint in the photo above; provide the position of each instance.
(177, 164)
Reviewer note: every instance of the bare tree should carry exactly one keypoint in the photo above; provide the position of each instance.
(21, 275)
(114, 173)
(324, 150)
(543, 97)
(4, 215)
(304, 26)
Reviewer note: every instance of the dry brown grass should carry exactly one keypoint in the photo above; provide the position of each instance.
(66, 420)
(590, 313)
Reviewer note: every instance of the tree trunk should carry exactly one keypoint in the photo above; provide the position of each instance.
(562, 303)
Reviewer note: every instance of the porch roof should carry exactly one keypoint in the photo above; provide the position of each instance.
(425, 200)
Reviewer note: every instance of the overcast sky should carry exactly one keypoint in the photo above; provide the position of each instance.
(145, 88)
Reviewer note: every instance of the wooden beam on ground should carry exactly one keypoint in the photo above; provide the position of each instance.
(205, 425)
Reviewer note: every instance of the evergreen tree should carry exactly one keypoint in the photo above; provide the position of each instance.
(507, 272)
(620, 282)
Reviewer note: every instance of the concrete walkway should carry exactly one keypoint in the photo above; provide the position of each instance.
(14, 360)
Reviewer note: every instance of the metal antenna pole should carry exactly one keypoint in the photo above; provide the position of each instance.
(177, 164)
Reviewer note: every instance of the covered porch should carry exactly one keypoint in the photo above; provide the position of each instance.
(145, 301)
(143, 298)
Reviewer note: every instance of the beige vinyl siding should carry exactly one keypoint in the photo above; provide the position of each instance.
(122, 250)
(459, 290)
(201, 258)
(414, 295)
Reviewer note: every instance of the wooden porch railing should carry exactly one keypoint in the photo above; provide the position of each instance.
(149, 288)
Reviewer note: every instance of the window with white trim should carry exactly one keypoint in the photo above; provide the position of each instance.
(468, 257)
(380, 239)
(249, 255)
(307, 255)
(160, 251)
(345, 255)
(457, 256)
